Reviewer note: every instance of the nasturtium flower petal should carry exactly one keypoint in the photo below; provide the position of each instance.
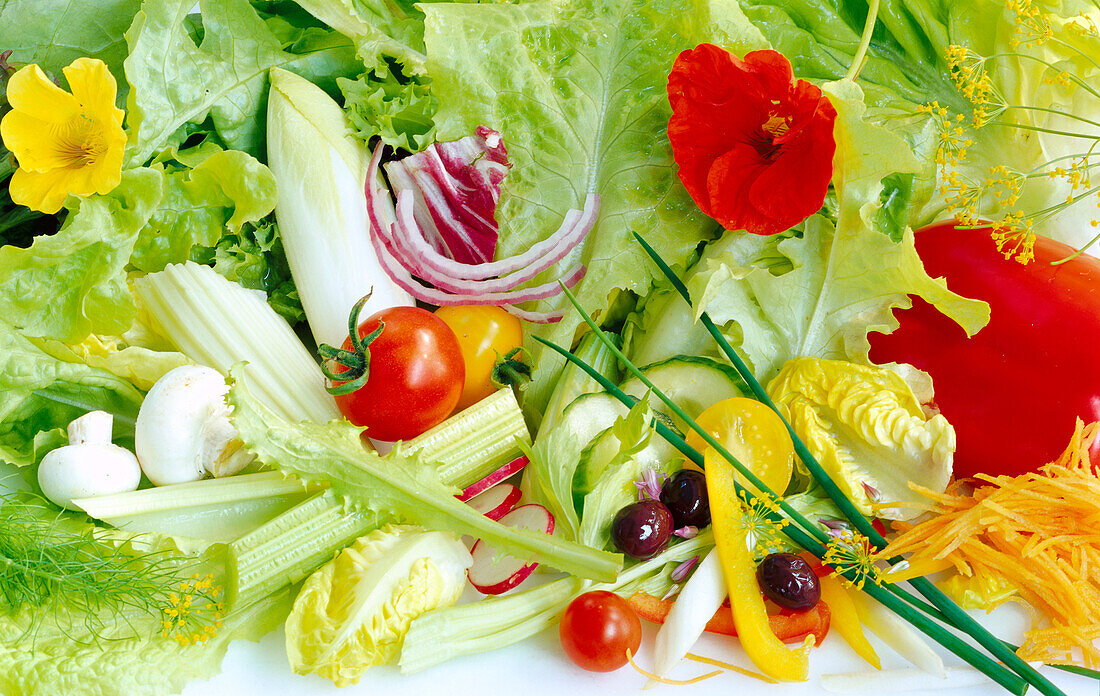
(30, 91)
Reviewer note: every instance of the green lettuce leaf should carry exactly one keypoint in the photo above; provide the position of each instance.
(56, 662)
(175, 82)
(72, 283)
(54, 33)
(40, 394)
(577, 89)
(846, 278)
(399, 487)
(218, 196)
(384, 102)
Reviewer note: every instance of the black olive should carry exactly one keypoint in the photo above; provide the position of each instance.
(641, 530)
(685, 495)
(789, 581)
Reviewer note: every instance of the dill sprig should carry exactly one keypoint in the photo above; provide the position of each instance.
(58, 570)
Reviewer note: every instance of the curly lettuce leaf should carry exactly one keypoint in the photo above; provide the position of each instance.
(399, 486)
(846, 278)
(577, 89)
(176, 81)
(40, 394)
(354, 612)
(67, 285)
(218, 196)
(383, 102)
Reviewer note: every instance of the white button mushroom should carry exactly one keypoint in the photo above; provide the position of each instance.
(89, 465)
(183, 429)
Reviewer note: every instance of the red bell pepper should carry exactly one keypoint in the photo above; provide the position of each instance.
(1014, 390)
(788, 626)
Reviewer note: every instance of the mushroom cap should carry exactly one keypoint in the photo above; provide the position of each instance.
(179, 421)
(85, 471)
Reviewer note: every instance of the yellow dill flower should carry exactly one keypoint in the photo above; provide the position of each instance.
(64, 143)
(193, 615)
(1015, 237)
(851, 551)
(762, 525)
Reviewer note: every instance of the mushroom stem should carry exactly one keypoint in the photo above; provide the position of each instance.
(93, 428)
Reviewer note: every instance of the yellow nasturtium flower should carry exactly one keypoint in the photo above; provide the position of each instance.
(64, 143)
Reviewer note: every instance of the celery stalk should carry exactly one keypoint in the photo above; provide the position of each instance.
(464, 448)
(475, 442)
(215, 510)
(289, 548)
(497, 622)
(218, 323)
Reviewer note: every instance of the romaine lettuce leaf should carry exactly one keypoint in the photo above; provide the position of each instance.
(354, 612)
(577, 89)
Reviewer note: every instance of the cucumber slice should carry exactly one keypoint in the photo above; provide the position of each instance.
(598, 455)
(590, 414)
(693, 383)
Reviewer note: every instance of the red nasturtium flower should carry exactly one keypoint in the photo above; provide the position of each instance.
(754, 146)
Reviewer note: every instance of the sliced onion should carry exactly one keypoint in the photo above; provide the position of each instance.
(415, 263)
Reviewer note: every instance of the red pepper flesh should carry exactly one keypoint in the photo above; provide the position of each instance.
(1014, 390)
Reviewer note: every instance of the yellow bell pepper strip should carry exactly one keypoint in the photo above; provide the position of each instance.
(845, 619)
(767, 652)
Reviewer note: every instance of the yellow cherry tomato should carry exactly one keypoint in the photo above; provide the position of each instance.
(754, 434)
(485, 334)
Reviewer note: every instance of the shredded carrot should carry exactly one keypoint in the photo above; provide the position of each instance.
(1040, 532)
(732, 668)
(666, 680)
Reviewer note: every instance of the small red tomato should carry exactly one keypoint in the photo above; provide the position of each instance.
(597, 629)
(415, 378)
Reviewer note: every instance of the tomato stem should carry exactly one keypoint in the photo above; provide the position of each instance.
(510, 370)
(356, 362)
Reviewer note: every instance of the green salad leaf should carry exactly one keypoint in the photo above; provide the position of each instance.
(72, 283)
(218, 196)
(577, 89)
(399, 487)
(354, 612)
(176, 82)
(40, 394)
(54, 33)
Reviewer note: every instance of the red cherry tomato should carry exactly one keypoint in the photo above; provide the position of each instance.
(1014, 390)
(416, 375)
(597, 629)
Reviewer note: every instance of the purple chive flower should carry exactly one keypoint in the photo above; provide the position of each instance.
(833, 524)
(872, 492)
(686, 532)
(680, 572)
(649, 486)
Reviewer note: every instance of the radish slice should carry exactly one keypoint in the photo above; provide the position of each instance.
(497, 501)
(493, 572)
(494, 478)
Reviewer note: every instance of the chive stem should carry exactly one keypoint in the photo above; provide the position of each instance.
(953, 613)
(979, 661)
